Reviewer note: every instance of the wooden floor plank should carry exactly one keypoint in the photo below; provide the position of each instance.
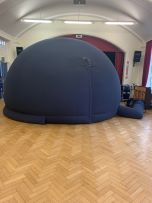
(105, 162)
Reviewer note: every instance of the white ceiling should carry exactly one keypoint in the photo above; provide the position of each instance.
(11, 11)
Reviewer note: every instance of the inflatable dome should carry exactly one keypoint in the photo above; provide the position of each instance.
(61, 80)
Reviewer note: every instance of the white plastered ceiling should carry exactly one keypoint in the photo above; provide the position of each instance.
(140, 11)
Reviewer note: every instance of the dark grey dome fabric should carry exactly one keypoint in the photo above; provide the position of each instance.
(137, 111)
(61, 80)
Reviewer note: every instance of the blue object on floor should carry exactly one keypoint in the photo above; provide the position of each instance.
(136, 111)
(62, 80)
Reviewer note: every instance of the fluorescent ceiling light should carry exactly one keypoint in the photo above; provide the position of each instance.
(36, 21)
(119, 23)
(78, 22)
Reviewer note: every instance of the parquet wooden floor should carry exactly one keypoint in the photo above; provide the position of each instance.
(106, 162)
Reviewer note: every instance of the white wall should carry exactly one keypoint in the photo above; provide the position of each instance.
(115, 34)
(8, 51)
(137, 70)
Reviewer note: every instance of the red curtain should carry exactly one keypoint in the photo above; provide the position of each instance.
(119, 60)
(147, 62)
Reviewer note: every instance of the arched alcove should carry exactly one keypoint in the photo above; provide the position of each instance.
(111, 50)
